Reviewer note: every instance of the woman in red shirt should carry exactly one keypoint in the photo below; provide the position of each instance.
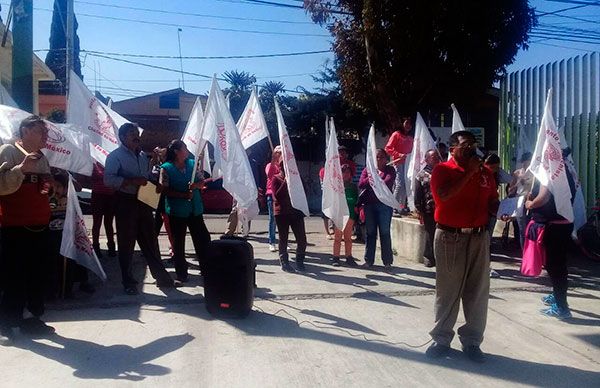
(399, 145)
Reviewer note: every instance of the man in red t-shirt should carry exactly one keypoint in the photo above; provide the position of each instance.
(465, 195)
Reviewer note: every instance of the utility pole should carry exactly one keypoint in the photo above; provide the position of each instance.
(22, 54)
(180, 58)
(69, 60)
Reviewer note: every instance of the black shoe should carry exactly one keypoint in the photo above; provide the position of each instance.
(351, 261)
(35, 327)
(436, 350)
(169, 284)
(335, 261)
(387, 267)
(87, 288)
(131, 290)
(367, 265)
(300, 265)
(183, 279)
(286, 267)
(474, 353)
(7, 332)
(429, 263)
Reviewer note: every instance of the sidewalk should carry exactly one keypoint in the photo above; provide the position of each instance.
(355, 328)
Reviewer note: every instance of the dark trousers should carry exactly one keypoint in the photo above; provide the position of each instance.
(135, 223)
(103, 207)
(284, 223)
(200, 239)
(556, 237)
(24, 251)
(429, 224)
(378, 217)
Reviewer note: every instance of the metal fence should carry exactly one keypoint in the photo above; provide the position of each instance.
(576, 109)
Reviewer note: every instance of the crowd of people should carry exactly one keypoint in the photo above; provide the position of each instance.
(456, 199)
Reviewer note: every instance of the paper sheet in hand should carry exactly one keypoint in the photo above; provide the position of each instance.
(508, 206)
(148, 195)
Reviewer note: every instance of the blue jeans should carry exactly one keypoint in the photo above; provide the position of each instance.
(271, 219)
(378, 216)
(400, 185)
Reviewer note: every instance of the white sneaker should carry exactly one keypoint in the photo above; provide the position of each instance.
(272, 248)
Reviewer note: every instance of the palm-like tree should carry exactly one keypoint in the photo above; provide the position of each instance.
(240, 82)
(272, 88)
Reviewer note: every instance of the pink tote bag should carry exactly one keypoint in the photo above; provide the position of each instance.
(534, 254)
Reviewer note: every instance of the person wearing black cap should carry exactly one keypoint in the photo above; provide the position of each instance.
(125, 171)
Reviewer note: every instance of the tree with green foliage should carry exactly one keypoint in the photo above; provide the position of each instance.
(56, 57)
(394, 57)
(240, 86)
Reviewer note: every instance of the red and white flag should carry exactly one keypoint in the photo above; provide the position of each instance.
(76, 244)
(252, 124)
(67, 148)
(422, 143)
(381, 190)
(334, 203)
(229, 153)
(94, 119)
(548, 165)
(292, 174)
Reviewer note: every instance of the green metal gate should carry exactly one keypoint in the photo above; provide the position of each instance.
(576, 108)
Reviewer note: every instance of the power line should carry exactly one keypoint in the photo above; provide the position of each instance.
(200, 57)
(192, 14)
(565, 47)
(289, 6)
(592, 3)
(103, 17)
(168, 69)
(562, 38)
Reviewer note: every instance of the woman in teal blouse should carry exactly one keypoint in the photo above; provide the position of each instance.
(183, 205)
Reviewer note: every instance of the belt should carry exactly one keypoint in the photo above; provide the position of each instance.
(476, 230)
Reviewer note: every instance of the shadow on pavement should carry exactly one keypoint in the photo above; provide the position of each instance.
(117, 362)
(499, 367)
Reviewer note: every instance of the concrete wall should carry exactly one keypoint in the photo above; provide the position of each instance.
(408, 239)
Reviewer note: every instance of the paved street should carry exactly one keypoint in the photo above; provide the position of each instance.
(329, 327)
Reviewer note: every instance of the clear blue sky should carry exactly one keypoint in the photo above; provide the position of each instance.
(140, 36)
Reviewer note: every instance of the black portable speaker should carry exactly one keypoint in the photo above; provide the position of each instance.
(229, 278)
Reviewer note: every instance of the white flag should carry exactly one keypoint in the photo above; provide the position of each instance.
(192, 135)
(548, 165)
(579, 208)
(381, 190)
(457, 124)
(334, 203)
(75, 243)
(252, 124)
(292, 174)
(94, 118)
(67, 148)
(6, 99)
(422, 143)
(229, 153)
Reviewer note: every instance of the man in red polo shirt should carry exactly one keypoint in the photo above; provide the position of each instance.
(465, 195)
